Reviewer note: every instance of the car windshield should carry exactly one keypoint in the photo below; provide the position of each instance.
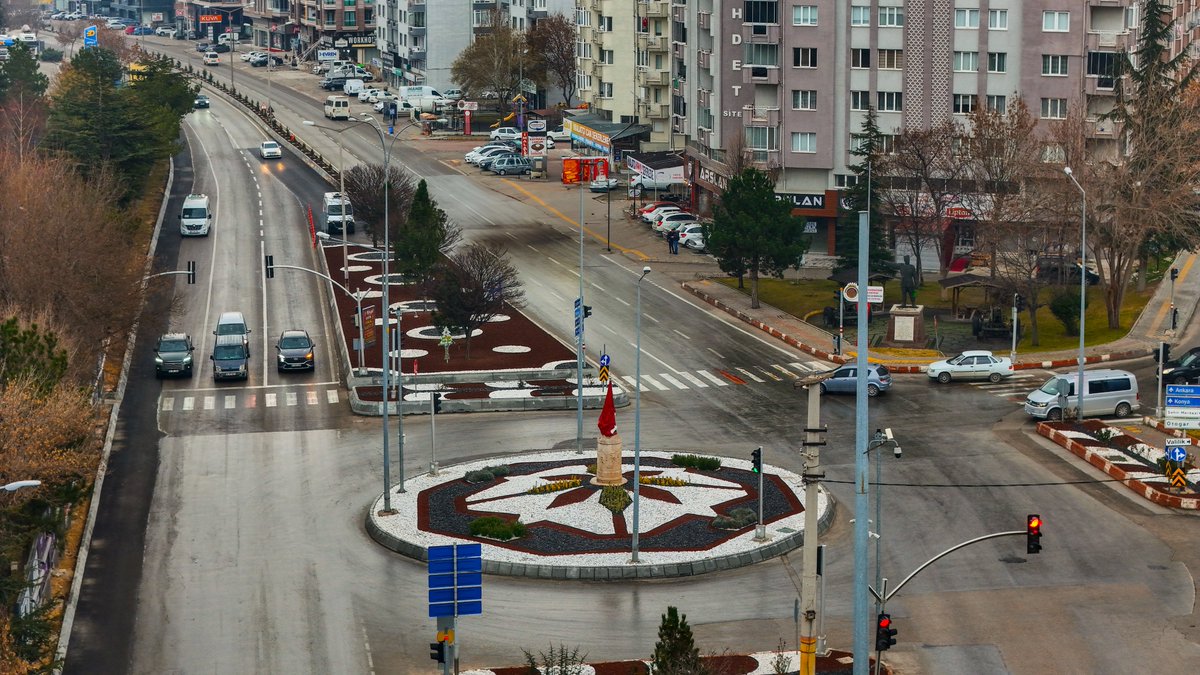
(230, 329)
(293, 342)
(1189, 359)
(270, 145)
(227, 352)
(1051, 387)
(194, 212)
(172, 346)
(957, 360)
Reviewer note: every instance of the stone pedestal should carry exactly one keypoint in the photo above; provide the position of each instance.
(906, 327)
(608, 461)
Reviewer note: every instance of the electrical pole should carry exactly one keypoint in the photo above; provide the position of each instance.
(814, 438)
(862, 493)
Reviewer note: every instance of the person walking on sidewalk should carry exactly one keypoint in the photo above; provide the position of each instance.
(673, 241)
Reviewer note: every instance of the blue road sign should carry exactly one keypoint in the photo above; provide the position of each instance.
(455, 580)
(1176, 454)
(605, 360)
(1183, 390)
(90, 38)
(1183, 401)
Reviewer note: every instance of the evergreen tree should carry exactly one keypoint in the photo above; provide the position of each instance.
(676, 652)
(20, 74)
(426, 235)
(863, 196)
(753, 232)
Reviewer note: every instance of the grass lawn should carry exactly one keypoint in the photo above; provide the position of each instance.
(802, 297)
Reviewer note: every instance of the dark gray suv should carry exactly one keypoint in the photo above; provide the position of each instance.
(295, 351)
(173, 355)
(231, 359)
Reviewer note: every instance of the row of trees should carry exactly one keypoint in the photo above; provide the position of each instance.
(76, 154)
(501, 58)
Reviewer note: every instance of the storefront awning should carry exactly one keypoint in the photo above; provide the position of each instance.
(598, 133)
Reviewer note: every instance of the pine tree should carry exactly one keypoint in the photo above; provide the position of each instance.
(424, 237)
(863, 196)
(676, 652)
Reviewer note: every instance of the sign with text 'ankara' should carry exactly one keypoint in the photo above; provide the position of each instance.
(455, 580)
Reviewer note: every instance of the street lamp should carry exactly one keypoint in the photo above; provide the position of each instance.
(637, 414)
(17, 485)
(1082, 288)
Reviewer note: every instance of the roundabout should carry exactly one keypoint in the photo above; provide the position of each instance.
(691, 522)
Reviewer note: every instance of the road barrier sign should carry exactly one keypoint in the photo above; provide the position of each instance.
(604, 373)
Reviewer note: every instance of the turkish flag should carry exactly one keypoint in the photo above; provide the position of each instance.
(608, 416)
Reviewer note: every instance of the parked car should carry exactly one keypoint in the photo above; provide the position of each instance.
(1109, 392)
(971, 365)
(511, 164)
(453, 94)
(143, 30)
(489, 152)
(385, 102)
(671, 221)
(652, 216)
(270, 150)
(129, 29)
(844, 380)
(1183, 370)
(114, 24)
(486, 162)
(506, 134)
(295, 351)
(692, 236)
(333, 83)
(654, 205)
(365, 94)
(165, 31)
(203, 47)
(173, 355)
(603, 184)
(560, 135)
(252, 54)
(261, 60)
(1051, 268)
(201, 101)
(222, 48)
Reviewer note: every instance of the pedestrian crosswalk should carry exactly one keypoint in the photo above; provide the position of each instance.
(716, 377)
(1017, 387)
(187, 401)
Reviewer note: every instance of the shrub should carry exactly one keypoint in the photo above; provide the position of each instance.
(736, 519)
(1065, 307)
(487, 473)
(615, 498)
(591, 468)
(1106, 434)
(556, 486)
(664, 481)
(493, 527)
(52, 55)
(696, 462)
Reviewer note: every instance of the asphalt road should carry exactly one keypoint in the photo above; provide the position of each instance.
(252, 515)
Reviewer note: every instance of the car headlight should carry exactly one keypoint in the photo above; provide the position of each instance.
(187, 358)
(308, 356)
(1168, 371)
(158, 360)
(242, 368)
(1035, 404)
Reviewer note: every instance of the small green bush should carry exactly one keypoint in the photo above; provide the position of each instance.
(696, 462)
(736, 519)
(590, 468)
(615, 498)
(1065, 307)
(487, 473)
(52, 55)
(497, 528)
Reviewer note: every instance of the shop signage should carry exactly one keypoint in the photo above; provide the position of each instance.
(210, 18)
(804, 201)
(587, 135)
(712, 177)
(327, 54)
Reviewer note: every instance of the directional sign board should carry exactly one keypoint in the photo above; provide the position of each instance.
(455, 580)
(1182, 413)
(605, 360)
(1183, 401)
(1178, 441)
(1181, 424)
(1176, 454)
(1183, 390)
(875, 294)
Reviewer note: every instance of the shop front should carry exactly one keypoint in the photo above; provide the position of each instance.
(818, 213)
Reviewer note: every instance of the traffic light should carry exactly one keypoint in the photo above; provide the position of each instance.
(437, 651)
(756, 460)
(885, 635)
(1174, 273)
(1020, 302)
(1033, 533)
(437, 402)
(1163, 353)
(270, 266)
(587, 311)
(191, 272)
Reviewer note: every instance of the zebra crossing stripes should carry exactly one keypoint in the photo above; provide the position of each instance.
(673, 381)
(713, 378)
(750, 375)
(1015, 388)
(694, 380)
(246, 400)
(706, 379)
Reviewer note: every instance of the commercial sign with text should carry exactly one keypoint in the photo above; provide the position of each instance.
(587, 135)
(210, 18)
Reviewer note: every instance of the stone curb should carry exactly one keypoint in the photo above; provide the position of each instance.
(904, 369)
(1147, 492)
(776, 548)
(359, 406)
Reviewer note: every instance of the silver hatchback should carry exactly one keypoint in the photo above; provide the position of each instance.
(844, 380)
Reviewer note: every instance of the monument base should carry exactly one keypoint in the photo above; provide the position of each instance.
(906, 327)
(608, 461)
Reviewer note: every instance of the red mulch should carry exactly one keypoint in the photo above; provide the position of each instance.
(467, 391)
(517, 330)
(724, 664)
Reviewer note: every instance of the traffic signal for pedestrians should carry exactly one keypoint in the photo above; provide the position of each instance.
(885, 635)
(1033, 533)
(437, 402)
(587, 311)
(756, 460)
(270, 266)
(437, 651)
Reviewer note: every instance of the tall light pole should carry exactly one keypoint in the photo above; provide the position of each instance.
(579, 337)
(341, 184)
(637, 414)
(1082, 287)
(862, 495)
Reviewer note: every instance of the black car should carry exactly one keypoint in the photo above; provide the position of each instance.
(260, 61)
(1184, 369)
(486, 162)
(201, 101)
(173, 355)
(333, 83)
(203, 47)
(1053, 269)
(222, 48)
(295, 349)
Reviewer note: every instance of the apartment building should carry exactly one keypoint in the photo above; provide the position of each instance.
(789, 83)
(272, 25)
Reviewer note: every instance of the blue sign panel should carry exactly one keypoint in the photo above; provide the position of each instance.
(1175, 454)
(1183, 401)
(1183, 390)
(455, 580)
(605, 360)
(90, 38)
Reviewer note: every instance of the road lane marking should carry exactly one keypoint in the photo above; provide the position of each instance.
(251, 401)
(800, 367)
(713, 378)
(230, 401)
(630, 381)
(168, 404)
(290, 397)
(271, 400)
(783, 370)
(677, 383)
(651, 318)
(715, 352)
(654, 383)
(189, 402)
(312, 397)
(731, 377)
(210, 402)
(621, 301)
(683, 335)
(766, 372)
(749, 375)
(694, 380)
(332, 395)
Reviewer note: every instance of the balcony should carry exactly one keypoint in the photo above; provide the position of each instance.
(703, 97)
(678, 50)
(679, 124)
(658, 110)
(757, 116)
(658, 43)
(1107, 41)
(704, 58)
(1097, 128)
(677, 86)
(679, 13)
(704, 20)
(760, 74)
(761, 33)
(658, 10)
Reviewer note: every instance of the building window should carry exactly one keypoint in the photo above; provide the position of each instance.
(761, 55)
(966, 18)
(761, 11)
(1056, 22)
(804, 57)
(583, 82)
(860, 16)
(582, 17)
(1054, 108)
(1102, 65)
(804, 15)
(891, 17)
(860, 100)
(1054, 64)
(860, 58)
(330, 18)
(606, 57)
(349, 18)
(804, 99)
(804, 141)
(966, 62)
(997, 62)
(891, 59)
(891, 101)
(998, 19)
(1053, 153)
(762, 138)
(583, 50)
(842, 180)
(606, 89)
(604, 25)
(964, 104)
(997, 104)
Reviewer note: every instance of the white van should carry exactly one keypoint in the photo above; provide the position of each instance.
(212, 59)
(1109, 392)
(337, 108)
(406, 93)
(227, 37)
(337, 213)
(195, 218)
(352, 87)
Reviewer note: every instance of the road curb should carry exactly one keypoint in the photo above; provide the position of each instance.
(1147, 492)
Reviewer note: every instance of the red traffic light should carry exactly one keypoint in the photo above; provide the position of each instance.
(885, 621)
(1034, 524)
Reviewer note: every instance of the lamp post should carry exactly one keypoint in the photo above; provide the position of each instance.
(1082, 288)
(341, 183)
(637, 414)
(357, 296)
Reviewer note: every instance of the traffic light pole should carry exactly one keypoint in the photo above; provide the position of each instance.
(433, 406)
(1012, 354)
(883, 598)
(813, 473)
(760, 532)
(1158, 410)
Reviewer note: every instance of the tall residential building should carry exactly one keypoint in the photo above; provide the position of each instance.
(790, 82)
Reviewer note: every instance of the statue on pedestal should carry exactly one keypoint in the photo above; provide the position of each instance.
(608, 446)
(908, 283)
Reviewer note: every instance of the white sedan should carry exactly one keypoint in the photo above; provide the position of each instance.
(977, 364)
(270, 150)
(250, 56)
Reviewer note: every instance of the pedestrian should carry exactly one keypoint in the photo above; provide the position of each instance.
(673, 242)
(976, 324)
(669, 249)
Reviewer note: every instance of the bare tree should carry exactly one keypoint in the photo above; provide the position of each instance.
(364, 185)
(552, 45)
(921, 180)
(472, 286)
(22, 123)
(494, 61)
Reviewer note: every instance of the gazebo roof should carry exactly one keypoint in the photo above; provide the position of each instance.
(970, 279)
